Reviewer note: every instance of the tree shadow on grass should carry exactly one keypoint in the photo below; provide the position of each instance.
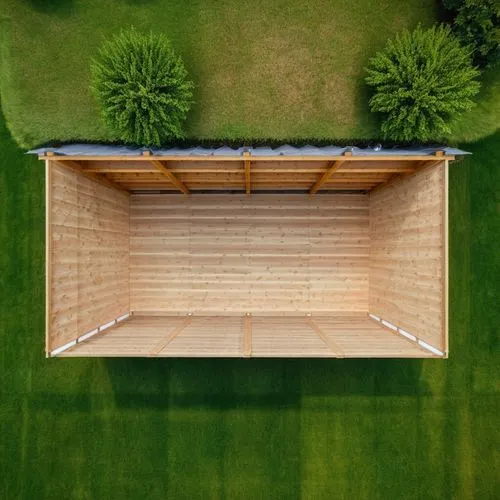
(61, 8)
(140, 2)
(257, 383)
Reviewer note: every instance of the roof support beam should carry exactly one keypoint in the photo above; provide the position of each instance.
(237, 170)
(76, 167)
(395, 177)
(160, 166)
(246, 154)
(230, 158)
(331, 169)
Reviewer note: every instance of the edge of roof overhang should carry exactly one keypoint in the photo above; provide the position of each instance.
(82, 149)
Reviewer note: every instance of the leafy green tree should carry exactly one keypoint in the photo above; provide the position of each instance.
(142, 88)
(422, 81)
(477, 25)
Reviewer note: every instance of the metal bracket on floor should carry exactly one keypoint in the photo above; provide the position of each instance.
(407, 335)
(89, 334)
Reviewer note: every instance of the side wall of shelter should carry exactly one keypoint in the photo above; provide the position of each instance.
(408, 257)
(88, 241)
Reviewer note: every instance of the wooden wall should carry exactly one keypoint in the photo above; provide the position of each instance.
(88, 227)
(408, 254)
(226, 253)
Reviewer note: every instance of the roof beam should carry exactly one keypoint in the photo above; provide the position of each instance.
(167, 173)
(76, 167)
(395, 177)
(332, 168)
(246, 154)
(235, 170)
(230, 158)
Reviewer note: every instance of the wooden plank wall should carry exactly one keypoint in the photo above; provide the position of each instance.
(89, 282)
(408, 250)
(265, 253)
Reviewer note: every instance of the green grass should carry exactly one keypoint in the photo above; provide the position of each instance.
(363, 429)
(484, 119)
(124, 428)
(276, 69)
(263, 69)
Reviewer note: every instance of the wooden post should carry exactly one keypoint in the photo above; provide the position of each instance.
(332, 168)
(445, 256)
(48, 255)
(247, 155)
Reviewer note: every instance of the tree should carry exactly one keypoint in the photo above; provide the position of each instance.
(142, 88)
(422, 81)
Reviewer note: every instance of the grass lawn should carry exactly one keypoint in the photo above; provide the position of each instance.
(237, 429)
(264, 69)
(483, 119)
(313, 429)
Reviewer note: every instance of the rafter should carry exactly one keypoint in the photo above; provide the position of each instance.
(160, 166)
(248, 162)
(332, 168)
(236, 170)
(397, 176)
(76, 167)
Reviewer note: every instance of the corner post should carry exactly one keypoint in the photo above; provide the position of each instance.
(445, 256)
(48, 253)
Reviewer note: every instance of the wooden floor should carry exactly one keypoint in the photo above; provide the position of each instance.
(351, 335)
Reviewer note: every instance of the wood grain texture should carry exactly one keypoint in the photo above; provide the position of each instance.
(407, 253)
(446, 259)
(238, 157)
(248, 173)
(354, 335)
(48, 256)
(226, 254)
(325, 177)
(89, 258)
(247, 340)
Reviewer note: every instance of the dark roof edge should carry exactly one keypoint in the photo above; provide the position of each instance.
(83, 149)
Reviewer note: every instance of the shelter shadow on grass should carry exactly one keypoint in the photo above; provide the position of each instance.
(259, 383)
(61, 8)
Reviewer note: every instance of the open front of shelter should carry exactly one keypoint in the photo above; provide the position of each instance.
(250, 252)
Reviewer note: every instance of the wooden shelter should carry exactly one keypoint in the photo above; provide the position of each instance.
(288, 252)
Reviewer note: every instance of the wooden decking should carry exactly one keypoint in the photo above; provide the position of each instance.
(338, 336)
